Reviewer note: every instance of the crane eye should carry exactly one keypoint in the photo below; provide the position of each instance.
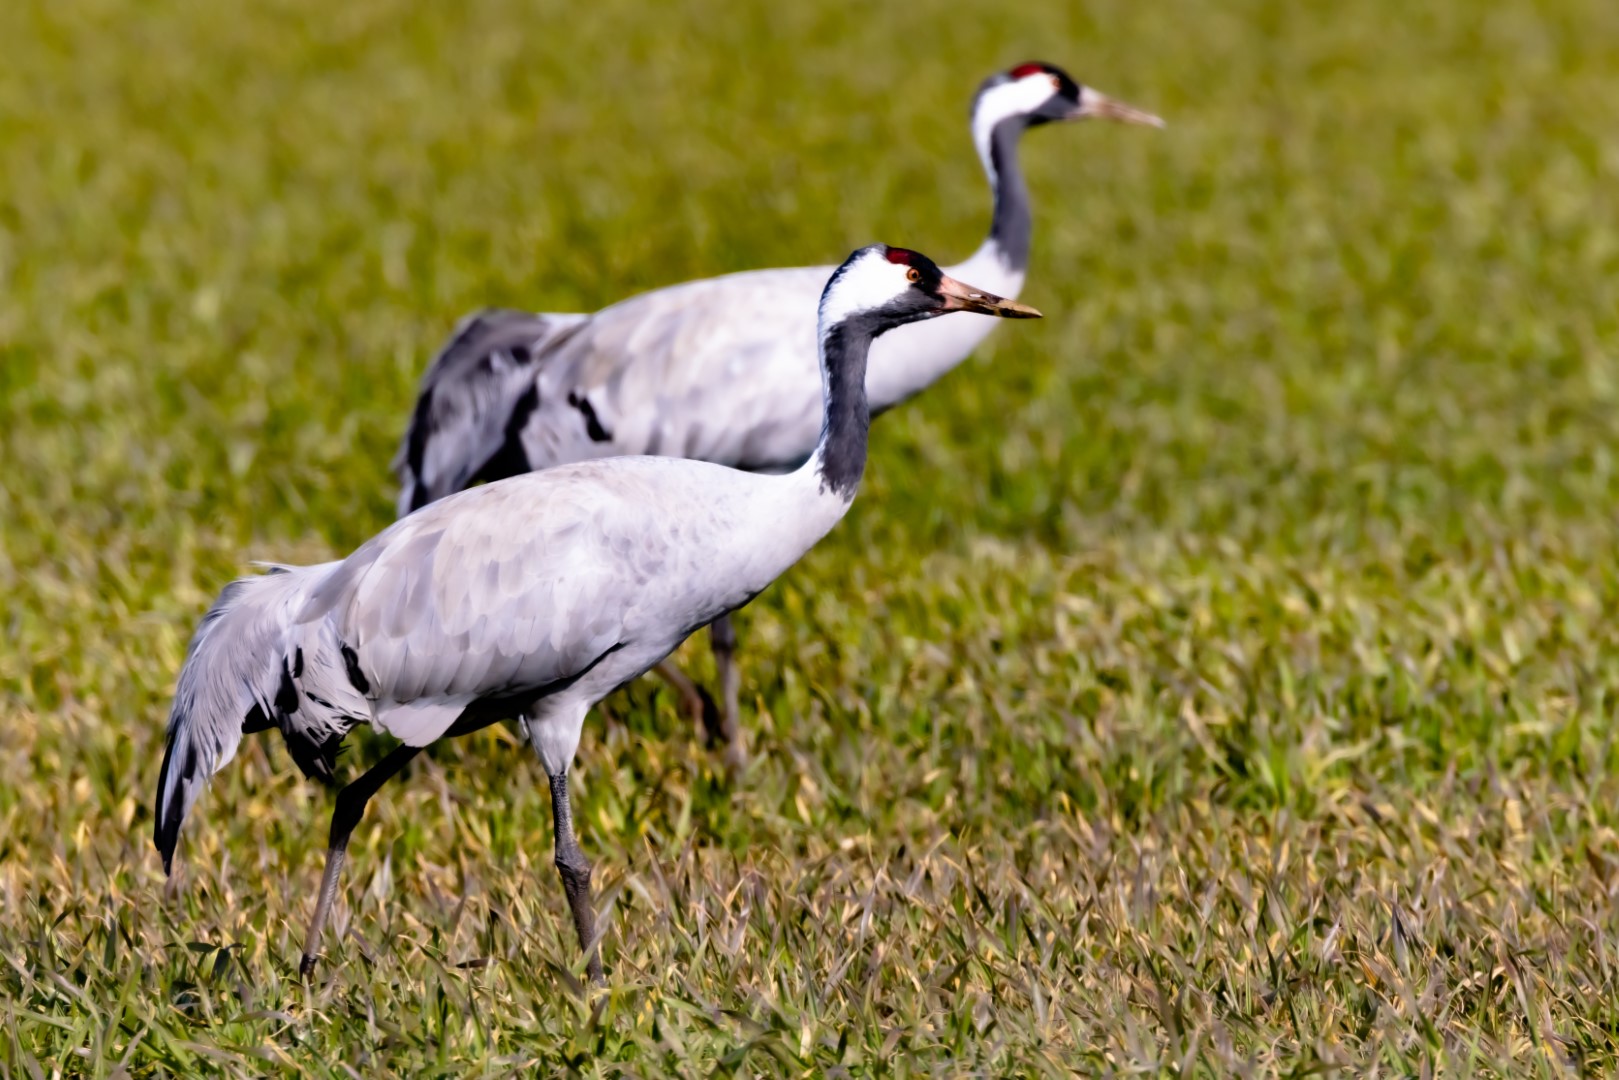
(1056, 83)
(913, 275)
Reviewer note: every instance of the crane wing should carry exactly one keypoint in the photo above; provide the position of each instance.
(720, 370)
(498, 591)
(474, 398)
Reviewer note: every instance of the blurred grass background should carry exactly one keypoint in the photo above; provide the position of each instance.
(1214, 679)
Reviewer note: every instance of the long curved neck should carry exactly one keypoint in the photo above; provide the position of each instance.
(1013, 223)
(840, 455)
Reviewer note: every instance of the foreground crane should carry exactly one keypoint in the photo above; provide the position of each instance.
(531, 598)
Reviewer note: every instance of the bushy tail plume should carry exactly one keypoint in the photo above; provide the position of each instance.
(474, 399)
(230, 683)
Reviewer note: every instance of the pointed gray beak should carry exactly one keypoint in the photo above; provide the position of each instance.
(1098, 106)
(961, 297)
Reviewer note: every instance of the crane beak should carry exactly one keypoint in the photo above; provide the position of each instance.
(960, 297)
(1097, 106)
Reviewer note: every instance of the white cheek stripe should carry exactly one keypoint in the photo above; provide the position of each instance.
(870, 282)
(1017, 98)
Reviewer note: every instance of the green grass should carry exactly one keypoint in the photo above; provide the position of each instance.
(1217, 678)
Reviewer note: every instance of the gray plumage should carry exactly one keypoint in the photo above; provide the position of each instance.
(530, 598)
(244, 671)
(468, 407)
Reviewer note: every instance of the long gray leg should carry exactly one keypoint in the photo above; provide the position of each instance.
(575, 871)
(345, 816)
(722, 639)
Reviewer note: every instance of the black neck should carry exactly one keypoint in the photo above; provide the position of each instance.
(848, 417)
(1013, 221)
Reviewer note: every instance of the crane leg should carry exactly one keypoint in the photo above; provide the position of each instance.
(345, 816)
(694, 700)
(575, 871)
(722, 640)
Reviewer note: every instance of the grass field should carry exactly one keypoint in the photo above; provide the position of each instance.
(1217, 678)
